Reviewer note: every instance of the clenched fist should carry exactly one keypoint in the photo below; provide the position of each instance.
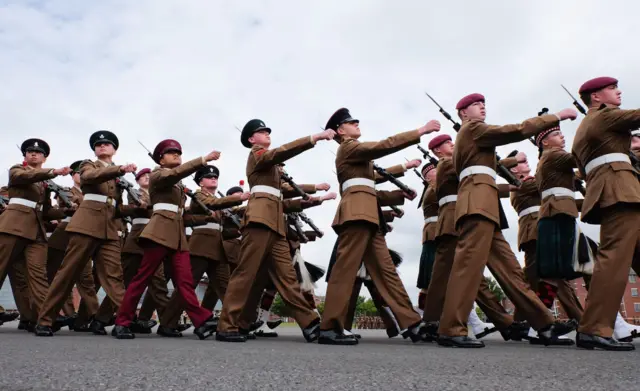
(323, 186)
(213, 155)
(431, 126)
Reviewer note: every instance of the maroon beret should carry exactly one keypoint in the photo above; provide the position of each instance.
(597, 84)
(164, 147)
(468, 100)
(142, 172)
(438, 141)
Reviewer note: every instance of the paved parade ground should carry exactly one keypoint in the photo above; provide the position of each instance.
(72, 361)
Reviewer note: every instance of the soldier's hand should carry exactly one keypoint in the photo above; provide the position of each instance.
(328, 134)
(329, 196)
(62, 171)
(245, 196)
(128, 168)
(323, 186)
(143, 205)
(567, 114)
(213, 155)
(431, 126)
(413, 163)
(513, 188)
(410, 196)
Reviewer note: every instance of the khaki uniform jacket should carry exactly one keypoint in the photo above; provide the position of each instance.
(603, 131)
(19, 220)
(207, 242)
(525, 197)
(476, 146)
(555, 169)
(167, 228)
(60, 238)
(354, 160)
(429, 209)
(100, 220)
(446, 185)
(265, 208)
(131, 245)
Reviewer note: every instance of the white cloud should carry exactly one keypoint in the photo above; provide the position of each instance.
(149, 70)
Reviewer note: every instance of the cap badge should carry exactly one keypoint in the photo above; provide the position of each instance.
(35, 144)
(101, 135)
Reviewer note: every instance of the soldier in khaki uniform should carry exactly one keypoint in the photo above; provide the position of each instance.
(264, 251)
(57, 244)
(446, 237)
(164, 236)
(601, 147)
(358, 224)
(480, 241)
(22, 231)
(93, 233)
(205, 245)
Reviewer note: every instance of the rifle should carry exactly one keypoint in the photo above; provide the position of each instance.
(229, 214)
(60, 192)
(502, 170)
(293, 217)
(124, 184)
(287, 178)
(635, 162)
(384, 173)
(311, 224)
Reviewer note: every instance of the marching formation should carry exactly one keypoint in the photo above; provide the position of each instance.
(249, 243)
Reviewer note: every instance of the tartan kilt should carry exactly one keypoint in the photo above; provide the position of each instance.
(427, 257)
(562, 251)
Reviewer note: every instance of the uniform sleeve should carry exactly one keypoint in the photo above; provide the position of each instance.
(388, 198)
(19, 175)
(289, 192)
(92, 175)
(266, 158)
(494, 135)
(168, 178)
(621, 120)
(356, 151)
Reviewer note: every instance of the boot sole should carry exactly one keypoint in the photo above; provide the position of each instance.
(449, 344)
(592, 346)
(324, 341)
(233, 339)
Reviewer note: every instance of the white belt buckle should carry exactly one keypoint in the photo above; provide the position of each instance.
(139, 221)
(529, 210)
(604, 159)
(358, 182)
(474, 170)
(99, 198)
(447, 199)
(266, 189)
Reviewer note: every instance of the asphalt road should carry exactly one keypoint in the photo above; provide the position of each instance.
(73, 361)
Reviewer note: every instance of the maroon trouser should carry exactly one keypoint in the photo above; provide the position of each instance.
(182, 280)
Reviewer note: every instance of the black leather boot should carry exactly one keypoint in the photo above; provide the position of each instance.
(414, 332)
(312, 331)
(122, 332)
(207, 328)
(184, 326)
(461, 341)
(168, 332)
(517, 331)
(43, 331)
(142, 326)
(230, 336)
(8, 317)
(330, 337)
(97, 327)
(272, 324)
(590, 342)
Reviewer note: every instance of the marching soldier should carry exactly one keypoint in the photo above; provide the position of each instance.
(205, 245)
(22, 231)
(264, 250)
(480, 241)
(446, 237)
(93, 233)
(358, 225)
(57, 244)
(429, 204)
(601, 147)
(164, 236)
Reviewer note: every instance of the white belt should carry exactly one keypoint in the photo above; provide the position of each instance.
(140, 220)
(165, 206)
(473, 170)
(188, 231)
(24, 202)
(214, 226)
(358, 182)
(99, 198)
(48, 234)
(432, 219)
(558, 192)
(529, 210)
(635, 132)
(266, 189)
(66, 220)
(608, 158)
(447, 199)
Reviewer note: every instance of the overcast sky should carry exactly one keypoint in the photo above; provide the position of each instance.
(192, 70)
